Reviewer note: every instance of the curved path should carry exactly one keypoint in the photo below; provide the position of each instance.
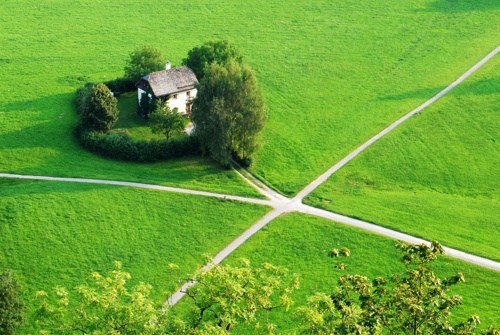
(282, 205)
(142, 185)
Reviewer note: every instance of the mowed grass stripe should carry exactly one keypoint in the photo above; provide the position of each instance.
(58, 233)
(436, 176)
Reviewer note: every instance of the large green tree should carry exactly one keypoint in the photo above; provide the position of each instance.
(414, 302)
(228, 112)
(223, 297)
(165, 121)
(11, 304)
(106, 306)
(220, 52)
(143, 61)
(101, 109)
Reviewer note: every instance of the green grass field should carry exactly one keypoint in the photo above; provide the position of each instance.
(333, 73)
(436, 176)
(129, 122)
(301, 244)
(342, 70)
(58, 233)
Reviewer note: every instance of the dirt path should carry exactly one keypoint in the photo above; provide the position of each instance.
(466, 257)
(270, 203)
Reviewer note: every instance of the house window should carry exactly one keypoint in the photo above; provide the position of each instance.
(188, 93)
(175, 96)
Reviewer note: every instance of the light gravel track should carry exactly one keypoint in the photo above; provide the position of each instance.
(142, 185)
(379, 230)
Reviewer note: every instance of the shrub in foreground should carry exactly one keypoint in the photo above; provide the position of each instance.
(11, 305)
(414, 302)
(225, 296)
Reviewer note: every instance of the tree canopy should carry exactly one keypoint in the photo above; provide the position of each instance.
(228, 112)
(165, 121)
(100, 111)
(210, 52)
(223, 297)
(143, 61)
(414, 302)
(11, 304)
(106, 306)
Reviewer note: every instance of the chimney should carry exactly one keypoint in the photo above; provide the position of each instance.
(168, 65)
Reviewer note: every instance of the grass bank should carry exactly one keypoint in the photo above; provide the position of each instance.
(58, 233)
(301, 243)
(436, 176)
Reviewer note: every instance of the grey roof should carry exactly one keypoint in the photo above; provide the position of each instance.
(171, 81)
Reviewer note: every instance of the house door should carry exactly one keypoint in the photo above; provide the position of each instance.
(188, 109)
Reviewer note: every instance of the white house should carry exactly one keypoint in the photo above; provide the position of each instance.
(176, 86)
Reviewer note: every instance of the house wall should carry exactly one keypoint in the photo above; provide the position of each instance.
(177, 100)
(139, 94)
(180, 99)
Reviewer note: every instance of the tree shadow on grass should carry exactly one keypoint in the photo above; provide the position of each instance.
(39, 140)
(43, 149)
(37, 123)
(462, 6)
(48, 104)
(479, 87)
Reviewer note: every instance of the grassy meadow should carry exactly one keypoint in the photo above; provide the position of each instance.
(436, 176)
(130, 123)
(301, 243)
(58, 233)
(333, 73)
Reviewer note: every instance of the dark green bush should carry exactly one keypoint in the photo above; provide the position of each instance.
(100, 109)
(11, 304)
(120, 85)
(244, 162)
(123, 147)
(146, 106)
(82, 96)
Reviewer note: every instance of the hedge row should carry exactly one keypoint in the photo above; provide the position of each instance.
(122, 146)
(120, 85)
(82, 95)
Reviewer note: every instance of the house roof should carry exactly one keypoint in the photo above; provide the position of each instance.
(171, 81)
